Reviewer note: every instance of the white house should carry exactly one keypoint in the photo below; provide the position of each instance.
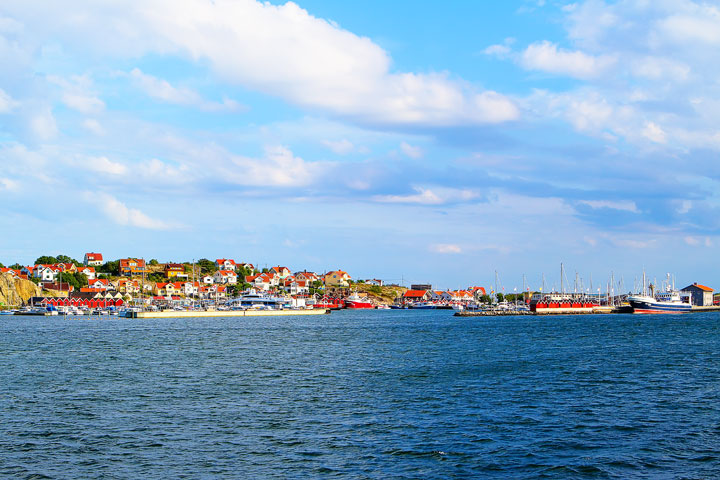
(225, 264)
(225, 277)
(93, 259)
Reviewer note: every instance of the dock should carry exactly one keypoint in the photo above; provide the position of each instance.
(225, 313)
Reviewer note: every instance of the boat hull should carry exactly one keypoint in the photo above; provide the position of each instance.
(648, 307)
(358, 305)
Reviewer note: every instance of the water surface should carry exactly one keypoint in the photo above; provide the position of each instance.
(363, 394)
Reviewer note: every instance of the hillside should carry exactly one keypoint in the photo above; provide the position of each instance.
(385, 295)
(16, 292)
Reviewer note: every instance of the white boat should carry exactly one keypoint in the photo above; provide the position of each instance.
(669, 301)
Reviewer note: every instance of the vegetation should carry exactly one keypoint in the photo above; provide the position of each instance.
(153, 262)
(77, 280)
(206, 266)
(113, 268)
(16, 266)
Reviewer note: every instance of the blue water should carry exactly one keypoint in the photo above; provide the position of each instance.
(374, 394)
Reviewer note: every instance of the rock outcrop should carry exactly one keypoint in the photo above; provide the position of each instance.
(16, 291)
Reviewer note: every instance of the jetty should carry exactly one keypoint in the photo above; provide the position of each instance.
(224, 313)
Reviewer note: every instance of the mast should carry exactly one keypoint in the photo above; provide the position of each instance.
(562, 285)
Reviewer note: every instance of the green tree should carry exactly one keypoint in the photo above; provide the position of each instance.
(500, 297)
(113, 267)
(67, 259)
(68, 278)
(207, 266)
(485, 299)
(1, 265)
(153, 262)
(16, 266)
(81, 279)
(46, 260)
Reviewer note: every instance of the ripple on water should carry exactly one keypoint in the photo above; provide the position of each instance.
(361, 395)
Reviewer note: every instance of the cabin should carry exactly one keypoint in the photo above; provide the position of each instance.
(701, 295)
(93, 259)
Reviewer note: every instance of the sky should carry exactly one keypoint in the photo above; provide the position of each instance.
(412, 141)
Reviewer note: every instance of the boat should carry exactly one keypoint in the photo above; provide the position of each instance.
(354, 301)
(668, 301)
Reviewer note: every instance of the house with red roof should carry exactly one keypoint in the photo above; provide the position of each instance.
(225, 264)
(282, 272)
(411, 296)
(99, 283)
(132, 266)
(337, 278)
(93, 259)
(225, 277)
(89, 272)
(702, 296)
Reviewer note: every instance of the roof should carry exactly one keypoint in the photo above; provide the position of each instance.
(701, 287)
(414, 293)
(94, 256)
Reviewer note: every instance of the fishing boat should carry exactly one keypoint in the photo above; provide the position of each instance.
(354, 301)
(669, 301)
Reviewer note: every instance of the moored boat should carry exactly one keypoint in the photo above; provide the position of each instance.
(354, 301)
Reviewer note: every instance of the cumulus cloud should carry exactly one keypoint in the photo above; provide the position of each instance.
(121, 214)
(105, 165)
(411, 151)
(78, 93)
(547, 57)
(7, 104)
(281, 50)
(627, 206)
(341, 147)
(425, 196)
(445, 248)
(162, 90)
(278, 168)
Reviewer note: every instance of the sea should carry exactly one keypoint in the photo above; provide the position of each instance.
(361, 395)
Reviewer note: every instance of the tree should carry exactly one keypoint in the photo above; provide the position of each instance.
(46, 260)
(153, 262)
(1, 265)
(500, 297)
(16, 266)
(68, 278)
(206, 266)
(81, 278)
(485, 299)
(67, 259)
(113, 268)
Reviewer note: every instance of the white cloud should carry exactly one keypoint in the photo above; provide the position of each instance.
(627, 206)
(501, 51)
(547, 57)
(278, 168)
(93, 126)
(424, 196)
(446, 248)
(8, 184)
(162, 90)
(105, 165)
(280, 50)
(78, 93)
(341, 147)
(411, 151)
(7, 104)
(654, 133)
(42, 124)
(121, 214)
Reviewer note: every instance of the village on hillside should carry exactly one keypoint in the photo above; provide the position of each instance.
(96, 283)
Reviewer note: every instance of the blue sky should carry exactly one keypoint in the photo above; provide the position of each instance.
(401, 140)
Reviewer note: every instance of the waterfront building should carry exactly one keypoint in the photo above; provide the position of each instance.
(701, 295)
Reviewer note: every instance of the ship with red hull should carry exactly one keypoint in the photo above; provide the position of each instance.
(355, 302)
